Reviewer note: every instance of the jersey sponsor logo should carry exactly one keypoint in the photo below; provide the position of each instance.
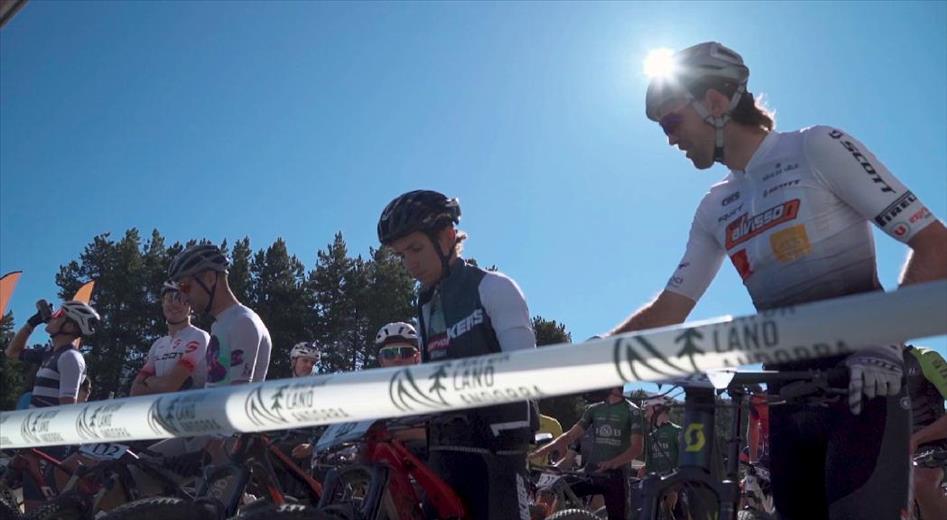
(772, 189)
(779, 169)
(675, 281)
(920, 214)
(730, 198)
(728, 215)
(863, 161)
(466, 324)
(742, 263)
(901, 229)
(747, 227)
(437, 346)
(191, 346)
(790, 244)
(894, 209)
(169, 355)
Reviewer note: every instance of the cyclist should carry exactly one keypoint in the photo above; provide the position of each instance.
(662, 442)
(398, 345)
(303, 358)
(926, 373)
(178, 360)
(481, 452)
(239, 347)
(616, 439)
(62, 366)
(793, 217)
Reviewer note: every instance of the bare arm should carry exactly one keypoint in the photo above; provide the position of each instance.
(668, 308)
(925, 262)
(19, 342)
(575, 433)
(170, 382)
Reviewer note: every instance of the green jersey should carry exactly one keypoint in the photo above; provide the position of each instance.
(661, 448)
(611, 427)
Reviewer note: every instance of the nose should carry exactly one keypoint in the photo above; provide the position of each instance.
(672, 139)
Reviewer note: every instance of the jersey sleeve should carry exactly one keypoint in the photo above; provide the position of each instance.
(195, 352)
(506, 306)
(71, 366)
(149, 369)
(586, 420)
(637, 420)
(700, 264)
(245, 338)
(858, 178)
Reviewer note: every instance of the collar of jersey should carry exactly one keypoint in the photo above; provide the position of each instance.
(760, 154)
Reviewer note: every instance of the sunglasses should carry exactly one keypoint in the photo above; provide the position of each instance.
(671, 122)
(58, 313)
(389, 353)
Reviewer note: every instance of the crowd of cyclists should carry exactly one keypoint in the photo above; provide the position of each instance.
(793, 215)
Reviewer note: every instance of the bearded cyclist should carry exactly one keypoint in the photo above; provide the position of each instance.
(793, 216)
(926, 373)
(176, 361)
(480, 453)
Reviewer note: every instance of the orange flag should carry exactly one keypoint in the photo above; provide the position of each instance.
(7, 284)
(84, 294)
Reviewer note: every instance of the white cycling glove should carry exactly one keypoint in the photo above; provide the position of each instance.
(873, 372)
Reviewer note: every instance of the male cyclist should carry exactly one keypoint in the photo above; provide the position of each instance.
(62, 367)
(397, 345)
(662, 442)
(926, 373)
(176, 361)
(793, 216)
(239, 347)
(616, 439)
(481, 452)
(303, 358)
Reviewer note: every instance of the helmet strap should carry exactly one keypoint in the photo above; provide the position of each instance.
(210, 292)
(445, 258)
(718, 122)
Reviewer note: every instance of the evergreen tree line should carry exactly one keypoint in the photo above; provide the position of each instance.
(340, 303)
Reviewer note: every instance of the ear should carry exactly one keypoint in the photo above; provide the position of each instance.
(446, 238)
(716, 103)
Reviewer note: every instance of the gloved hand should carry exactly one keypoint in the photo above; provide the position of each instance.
(43, 313)
(873, 372)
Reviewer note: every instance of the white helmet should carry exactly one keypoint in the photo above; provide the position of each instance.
(83, 315)
(397, 332)
(658, 400)
(304, 349)
(693, 67)
(169, 286)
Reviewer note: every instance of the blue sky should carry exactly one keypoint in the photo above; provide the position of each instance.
(297, 120)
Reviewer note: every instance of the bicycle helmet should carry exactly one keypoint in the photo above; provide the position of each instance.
(419, 210)
(397, 332)
(304, 349)
(693, 68)
(169, 286)
(196, 259)
(83, 315)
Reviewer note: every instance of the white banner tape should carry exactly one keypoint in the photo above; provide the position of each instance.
(804, 332)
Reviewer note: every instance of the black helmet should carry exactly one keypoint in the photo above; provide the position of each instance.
(196, 259)
(419, 210)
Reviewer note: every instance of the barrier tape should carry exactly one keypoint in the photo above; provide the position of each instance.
(787, 334)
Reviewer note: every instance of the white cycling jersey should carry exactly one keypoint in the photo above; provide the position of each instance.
(239, 348)
(187, 347)
(795, 223)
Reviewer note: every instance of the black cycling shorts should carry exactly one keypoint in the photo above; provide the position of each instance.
(492, 487)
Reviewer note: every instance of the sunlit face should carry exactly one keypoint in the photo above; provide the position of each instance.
(302, 366)
(419, 257)
(686, 130)
(175, 307)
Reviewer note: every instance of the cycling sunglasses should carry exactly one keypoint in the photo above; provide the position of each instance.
(58, 313)
(390, 353)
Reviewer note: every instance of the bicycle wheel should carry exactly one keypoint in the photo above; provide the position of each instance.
(573, 514)
(284, 512)
(158, 508)
(63, 507)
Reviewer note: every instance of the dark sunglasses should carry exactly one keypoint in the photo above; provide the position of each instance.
(396, 352)
(57, 313)
(671, 122)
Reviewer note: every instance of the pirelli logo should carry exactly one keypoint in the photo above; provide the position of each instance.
(896, 208)
(746, 226)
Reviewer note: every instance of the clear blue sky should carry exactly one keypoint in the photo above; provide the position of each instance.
(300, 119)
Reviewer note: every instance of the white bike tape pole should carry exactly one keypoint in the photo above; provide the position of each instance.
(793, 333)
